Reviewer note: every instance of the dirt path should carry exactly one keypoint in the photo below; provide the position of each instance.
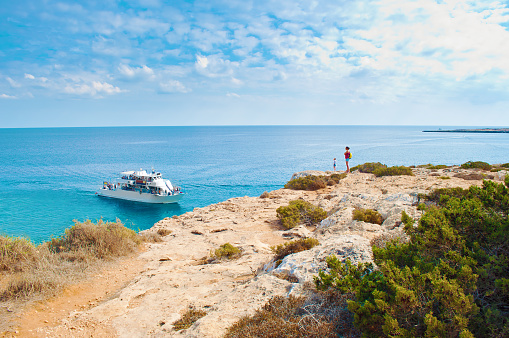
(44, 318)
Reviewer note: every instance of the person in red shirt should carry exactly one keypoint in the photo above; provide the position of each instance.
(348, 156)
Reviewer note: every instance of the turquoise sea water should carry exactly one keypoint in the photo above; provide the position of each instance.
(50, 175)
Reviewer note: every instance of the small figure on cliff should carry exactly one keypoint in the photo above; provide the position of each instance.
(334, 164)
(348, 156)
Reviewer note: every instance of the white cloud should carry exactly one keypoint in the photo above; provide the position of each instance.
(214, 66)
(173, 86)
(93, 89)
(29, 76)
(5, 96)
(13, 83)
(137, 73)
(119, 47)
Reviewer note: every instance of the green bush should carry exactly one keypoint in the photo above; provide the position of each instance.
(436, 167)
(368, 167)
(288, 248)
(476, 165)
(226, 251)
(393, 171)
(298, 212)
(367, 215)
(449, 280)
(505, 165)
(313, 182)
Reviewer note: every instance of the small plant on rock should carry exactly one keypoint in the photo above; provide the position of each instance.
(436, 167)
(369, 167)
(285, 249)
(298, 212)
(476, 165)
(227, 251)
(314, 182)
(367, 215)
(393, 171)
(188, 319)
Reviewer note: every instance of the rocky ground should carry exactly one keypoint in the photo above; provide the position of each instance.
(174, 276)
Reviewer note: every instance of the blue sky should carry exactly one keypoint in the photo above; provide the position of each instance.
(219, 62)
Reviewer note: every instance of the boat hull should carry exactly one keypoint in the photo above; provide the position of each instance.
(137, 197)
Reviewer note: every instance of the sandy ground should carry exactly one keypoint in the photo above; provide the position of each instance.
(40, 319)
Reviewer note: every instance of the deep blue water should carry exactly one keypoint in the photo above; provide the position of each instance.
(50, 175)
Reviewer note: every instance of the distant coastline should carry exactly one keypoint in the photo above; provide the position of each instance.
(481, 130)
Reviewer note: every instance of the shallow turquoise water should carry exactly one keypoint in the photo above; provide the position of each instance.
(49, 176)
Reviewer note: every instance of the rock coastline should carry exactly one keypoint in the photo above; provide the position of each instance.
(175, 277)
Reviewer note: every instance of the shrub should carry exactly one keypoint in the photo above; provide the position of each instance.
(369, 167)
(367, 215)
(265, 195)
(471, 176)
(313, 182)
(393, 171)
(288, 248)
(15, 253)
(421, 206)
(188, 319)
(436, 167)
(227, 251)
(505, 165)
(300, 211)
(476, 165)
(388, 237)
(320, 315)
(449, 280)
(444, 177)
(163, 232)
(101, 240)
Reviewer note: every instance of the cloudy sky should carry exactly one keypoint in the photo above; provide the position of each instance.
(222, 62)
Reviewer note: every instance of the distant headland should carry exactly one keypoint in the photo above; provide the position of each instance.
(481, 130)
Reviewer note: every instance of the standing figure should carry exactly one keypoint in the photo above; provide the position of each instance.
(334, 164)
(348, 156)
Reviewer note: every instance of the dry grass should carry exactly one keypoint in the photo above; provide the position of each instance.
(292, 247)
(164, 232)
(322, 314)
(15, 253)
(33, 273)
(101, 240)
(188, 319)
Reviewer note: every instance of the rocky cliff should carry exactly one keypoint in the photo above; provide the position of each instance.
(176, 275)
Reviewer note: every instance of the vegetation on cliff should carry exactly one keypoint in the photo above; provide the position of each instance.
(288, 248)
(448, 280)
(378, 169)
(322, 315)
(314, 182)
(32, 272)
(299, 212)
(367, 215)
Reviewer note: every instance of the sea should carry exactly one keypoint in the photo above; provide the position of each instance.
(49, 176)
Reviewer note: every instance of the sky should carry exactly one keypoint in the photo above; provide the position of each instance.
(230, 62)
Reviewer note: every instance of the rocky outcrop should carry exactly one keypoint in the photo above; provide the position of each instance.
(177, 275)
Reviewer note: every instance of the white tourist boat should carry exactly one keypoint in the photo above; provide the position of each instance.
(141, 186)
